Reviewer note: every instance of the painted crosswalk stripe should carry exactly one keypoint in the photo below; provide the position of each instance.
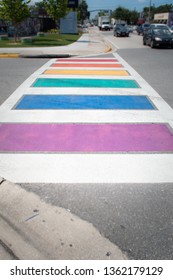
(97, 83)
(86, 72)
(87, 60)
(88, 65)
(84, 102)
(85, 138)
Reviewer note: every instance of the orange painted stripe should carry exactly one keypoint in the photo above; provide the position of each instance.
(102, 65)
(86, 72)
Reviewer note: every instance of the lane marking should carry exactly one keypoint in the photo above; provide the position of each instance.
(85, 138)
(87, 168)
(84, 102)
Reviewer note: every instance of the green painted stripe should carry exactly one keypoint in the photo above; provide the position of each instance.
(96, 83)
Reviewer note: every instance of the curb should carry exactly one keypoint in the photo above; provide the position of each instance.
(17, 55)
(45, 56)
(108, 49)
(9, 55)
(31, 229)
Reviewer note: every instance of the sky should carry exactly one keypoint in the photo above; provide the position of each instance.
(129, 4)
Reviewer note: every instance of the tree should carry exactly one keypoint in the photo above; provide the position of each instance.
(134, 16)
(121, 14)
(14, 11)
(56, 8)
(83, 11)
(38, 9)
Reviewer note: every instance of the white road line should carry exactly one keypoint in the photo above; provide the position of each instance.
(85, 168)
(82, 116)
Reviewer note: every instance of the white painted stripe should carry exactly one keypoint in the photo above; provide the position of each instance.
(82, 116)
(78, 168)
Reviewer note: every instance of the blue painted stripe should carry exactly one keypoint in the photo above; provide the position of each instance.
(96, 83)
(84, 102)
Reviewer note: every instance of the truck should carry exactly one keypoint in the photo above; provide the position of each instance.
(104, 23)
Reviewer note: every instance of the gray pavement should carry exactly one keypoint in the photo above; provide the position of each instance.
(27, 224)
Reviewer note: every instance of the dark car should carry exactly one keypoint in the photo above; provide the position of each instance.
(141, 29)
(156, 37)
(121, 30)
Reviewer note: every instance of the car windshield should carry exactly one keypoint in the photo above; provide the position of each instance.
(161, 31)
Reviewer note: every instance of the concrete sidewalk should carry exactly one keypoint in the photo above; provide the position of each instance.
(90, 43)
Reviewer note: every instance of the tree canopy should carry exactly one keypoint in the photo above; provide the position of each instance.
(83, 11)
(14, 11)
(56, 8)
(122, 13)
(131, 17)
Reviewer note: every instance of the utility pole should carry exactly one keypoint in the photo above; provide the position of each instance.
(149, 14)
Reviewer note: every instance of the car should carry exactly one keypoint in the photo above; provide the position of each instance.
(121, 29)
(141, 29)
(158, 36)
(171, 29)
(158, 25)
(131, 28)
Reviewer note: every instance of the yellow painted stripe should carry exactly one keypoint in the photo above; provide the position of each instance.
(86, 72)
(9, 55)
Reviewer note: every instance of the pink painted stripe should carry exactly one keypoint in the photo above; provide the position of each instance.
(85, 138)
(87, 59)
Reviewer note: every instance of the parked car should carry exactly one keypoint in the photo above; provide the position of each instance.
(121, 29)
(141, 29)
(158, 36)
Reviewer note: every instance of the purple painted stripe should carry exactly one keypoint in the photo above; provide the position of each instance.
(85, 137)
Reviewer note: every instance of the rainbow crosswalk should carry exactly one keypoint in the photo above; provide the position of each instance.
(86, 120)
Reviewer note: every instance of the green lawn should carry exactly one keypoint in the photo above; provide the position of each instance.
(46, 41)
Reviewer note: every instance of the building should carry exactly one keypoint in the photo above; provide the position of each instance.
(166, 18)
